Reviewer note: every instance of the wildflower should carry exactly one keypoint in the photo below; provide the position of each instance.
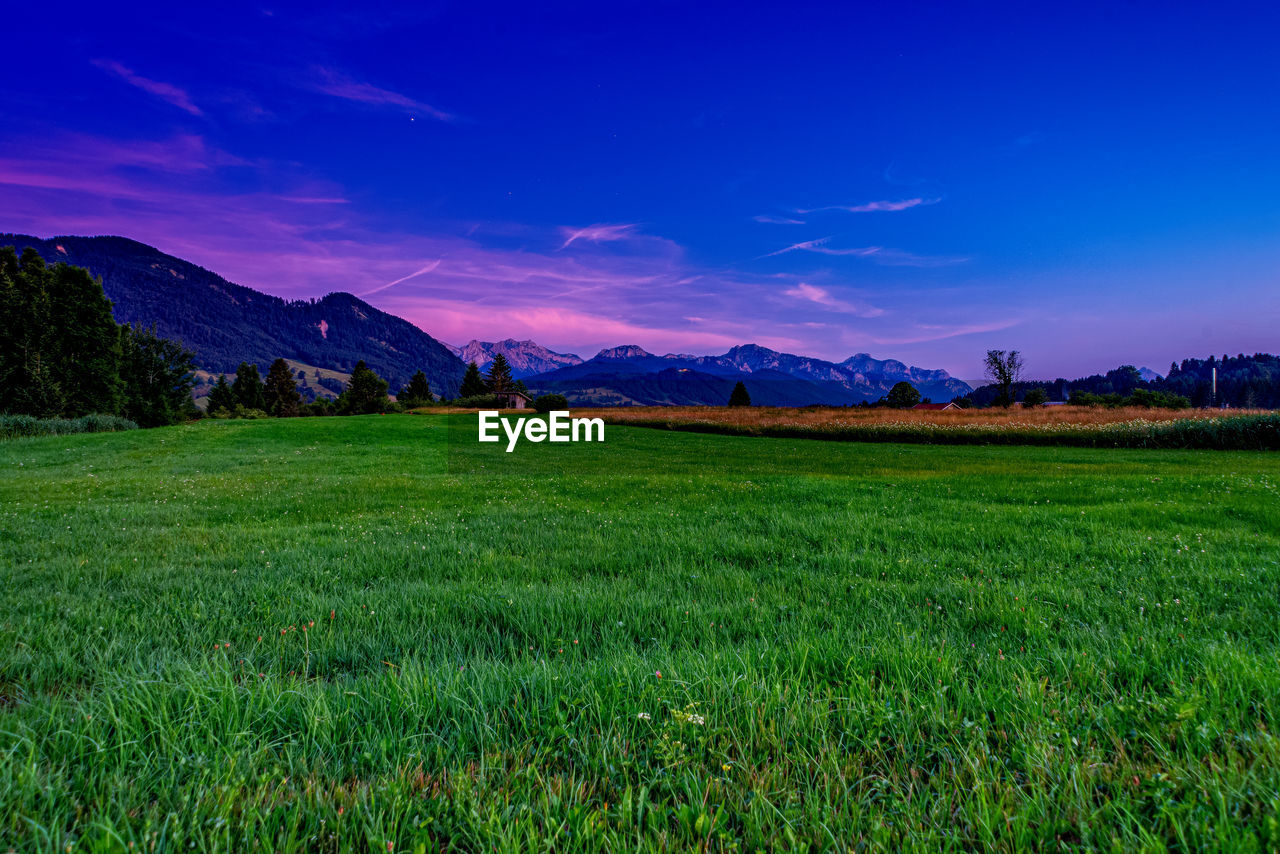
(390, 845)
(658, 673)
(643, 716)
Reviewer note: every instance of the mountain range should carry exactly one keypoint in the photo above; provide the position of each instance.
(525, 357)
(629, 375)
(225, 324)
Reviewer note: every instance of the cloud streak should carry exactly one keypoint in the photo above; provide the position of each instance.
(415, 274)
(873, 207)
(166, 92)
(329, 81)
(879, 254)
(598, 233)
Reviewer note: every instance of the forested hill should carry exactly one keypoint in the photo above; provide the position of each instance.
(225, 323)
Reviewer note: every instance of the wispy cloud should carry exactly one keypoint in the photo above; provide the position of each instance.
(164, 91)
(820, 246)
(330, 81)
(821, 296)
(777, 220)
(873, 207)
(879, 254)
(598, 233)
(922, 332)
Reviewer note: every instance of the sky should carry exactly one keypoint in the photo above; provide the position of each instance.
(1091, 184)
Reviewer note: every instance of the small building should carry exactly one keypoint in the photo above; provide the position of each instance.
(936, 407)
(513, 400)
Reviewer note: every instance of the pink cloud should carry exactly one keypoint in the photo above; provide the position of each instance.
(164, 91)
(823, 297)
(332, 82)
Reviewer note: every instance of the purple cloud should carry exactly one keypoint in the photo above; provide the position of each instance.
(164, 91)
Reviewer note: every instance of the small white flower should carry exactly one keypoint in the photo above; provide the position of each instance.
(643, 716)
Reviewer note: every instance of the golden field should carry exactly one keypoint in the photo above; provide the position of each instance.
(835, 416)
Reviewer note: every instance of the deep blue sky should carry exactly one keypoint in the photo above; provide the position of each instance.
(1089, 184)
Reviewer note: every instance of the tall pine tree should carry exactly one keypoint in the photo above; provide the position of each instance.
(472, 383)
(739, 395)
(365, 393)
(221, 397)
(417, 392)
(248, 387)
(499, 378)
(283, 399)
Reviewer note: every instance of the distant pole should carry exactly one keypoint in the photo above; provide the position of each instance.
(1215, 386)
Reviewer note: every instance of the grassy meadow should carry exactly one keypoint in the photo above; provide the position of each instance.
(375, 634)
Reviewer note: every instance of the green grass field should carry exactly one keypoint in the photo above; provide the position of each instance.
(374, 634)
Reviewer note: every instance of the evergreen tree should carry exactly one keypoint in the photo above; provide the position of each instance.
(739, 395)
(221, 396)
(520, 387)
(157, 375)
(472, 383)
(499, 378)
(250, 393)
(283, 400)
(365, 393)
(417, 392)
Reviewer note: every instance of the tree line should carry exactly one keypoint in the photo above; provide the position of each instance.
(1246, 382)
(62, 355)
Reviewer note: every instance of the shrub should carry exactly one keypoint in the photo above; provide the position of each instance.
(14, 426)
(550, 403)
(1035, 397)
(478, 401)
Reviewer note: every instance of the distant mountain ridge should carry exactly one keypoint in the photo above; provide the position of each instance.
(224, 323)
(630, 375)
(525, 357)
